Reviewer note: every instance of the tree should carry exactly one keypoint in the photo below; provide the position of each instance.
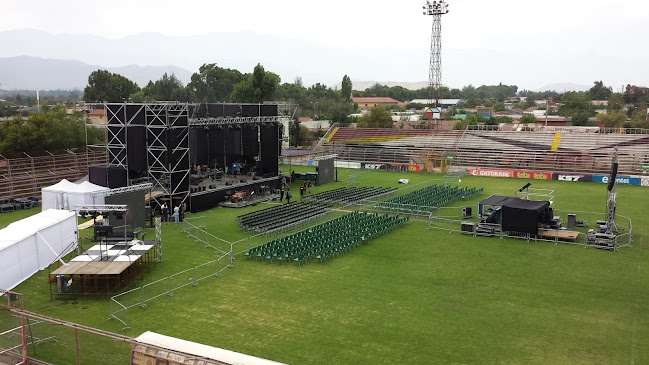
(53, 129)
(613, 120)
(257, 87)
(599, 91)
(528, 118)
(576, 105)
(213, 83)
(168, 87)
(346, 89)
(615, 102)
(104, 86)
(378, 117)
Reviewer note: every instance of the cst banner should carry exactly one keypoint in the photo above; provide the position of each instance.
(535, 175)
(491, 172)
(572, 177)
(622, 180)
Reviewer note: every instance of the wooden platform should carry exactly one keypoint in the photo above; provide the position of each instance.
(562, 235)
(92, 268)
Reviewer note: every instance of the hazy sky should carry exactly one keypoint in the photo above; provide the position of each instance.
(528, 43)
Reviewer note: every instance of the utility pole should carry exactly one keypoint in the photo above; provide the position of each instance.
(436, 9)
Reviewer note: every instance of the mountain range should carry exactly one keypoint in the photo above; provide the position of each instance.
(26, 72)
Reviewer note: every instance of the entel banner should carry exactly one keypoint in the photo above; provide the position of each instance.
(535, 175)
(622, 180)
(491, 172)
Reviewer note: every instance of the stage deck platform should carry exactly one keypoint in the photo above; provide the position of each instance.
(104, 269)
(563, 235)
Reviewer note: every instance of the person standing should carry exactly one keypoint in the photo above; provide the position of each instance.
(288, 196)
(281, 193)
(302, 190)
(176, 214)
(183, 209)
(165, 212)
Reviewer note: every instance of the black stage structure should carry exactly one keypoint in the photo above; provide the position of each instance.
(236, 145)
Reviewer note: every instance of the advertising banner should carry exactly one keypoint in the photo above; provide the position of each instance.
(644, 181)
(535, 175)
(622, 180)
(572, 177)
(491, 172)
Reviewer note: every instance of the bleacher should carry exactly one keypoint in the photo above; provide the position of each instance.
(326, 240)
(576, 151)
(424, 199)
(24, 177)
(342, 196)
(280, 217)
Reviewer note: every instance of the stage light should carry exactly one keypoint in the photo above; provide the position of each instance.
(524, 187)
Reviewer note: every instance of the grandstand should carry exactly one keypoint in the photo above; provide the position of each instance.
(327, 240)
(23, 177)
(573, 150)
(280, 217)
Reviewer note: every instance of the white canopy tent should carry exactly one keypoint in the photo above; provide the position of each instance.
(64, 194)
(33, 243)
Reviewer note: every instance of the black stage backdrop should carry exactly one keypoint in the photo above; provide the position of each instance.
(269, 148)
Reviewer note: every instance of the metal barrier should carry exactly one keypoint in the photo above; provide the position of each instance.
(138, 297)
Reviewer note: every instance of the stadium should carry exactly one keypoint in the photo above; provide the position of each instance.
(403, 257)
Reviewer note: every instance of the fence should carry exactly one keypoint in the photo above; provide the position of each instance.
(623, 238)
(138, 297)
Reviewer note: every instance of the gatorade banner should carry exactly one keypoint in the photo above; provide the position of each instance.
(491, 172)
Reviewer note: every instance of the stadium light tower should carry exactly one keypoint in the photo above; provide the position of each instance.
(436, 9)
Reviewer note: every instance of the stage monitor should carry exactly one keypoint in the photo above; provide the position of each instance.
(326, 171)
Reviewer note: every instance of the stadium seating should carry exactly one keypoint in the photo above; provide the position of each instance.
(326, 240)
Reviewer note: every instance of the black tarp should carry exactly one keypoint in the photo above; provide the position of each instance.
(496, 200)
(519, 215)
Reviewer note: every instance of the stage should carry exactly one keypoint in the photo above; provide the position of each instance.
(209, 192)
(104, 269)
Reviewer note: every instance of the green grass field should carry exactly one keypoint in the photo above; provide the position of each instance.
(414, 295)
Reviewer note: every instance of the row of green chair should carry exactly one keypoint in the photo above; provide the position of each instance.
(328, 239)
(431, 196)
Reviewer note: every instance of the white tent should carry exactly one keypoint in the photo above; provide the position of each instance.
(33, 243)
(64, 194)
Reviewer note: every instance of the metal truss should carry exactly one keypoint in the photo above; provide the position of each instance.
(325, 157)
(126, 189)
(233, 120)
(104, 208)
(118, 121)
(168, 148)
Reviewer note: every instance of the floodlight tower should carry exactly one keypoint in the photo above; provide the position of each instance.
(436, 9)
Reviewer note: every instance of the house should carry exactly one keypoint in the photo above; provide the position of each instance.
(367, 103)
(97, 114)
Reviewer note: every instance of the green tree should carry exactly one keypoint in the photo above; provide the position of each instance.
(599, 91)
(213, 83)
(613, 120)
(615, 102)
(346, 89)
(104, 86)
(257, 87)
(576, 105)
(168, 87)
(528, 118)
(378, 117)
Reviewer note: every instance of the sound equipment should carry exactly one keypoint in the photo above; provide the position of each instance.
(466, 212)
(467, 227)
(572, 221)
(611, 181)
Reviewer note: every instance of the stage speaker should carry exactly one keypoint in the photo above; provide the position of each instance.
(466, 212)
(468, 227)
